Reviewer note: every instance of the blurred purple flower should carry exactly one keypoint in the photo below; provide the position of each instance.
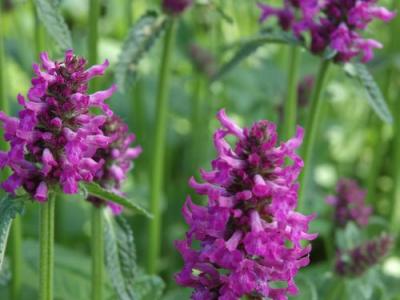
(333, 24)
(117, 159)
(203, 60)
(357, 261)
(349, 203)
(249, 233)
(55, 136)
(176, 7)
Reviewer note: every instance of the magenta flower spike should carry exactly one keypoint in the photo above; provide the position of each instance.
(355, 262)
(117, 159)
(176, 7)
(249, 234)
(54, 137)
(332, 24)
(349, 204)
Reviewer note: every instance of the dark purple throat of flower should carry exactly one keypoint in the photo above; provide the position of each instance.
(54, 137)
(249, 234)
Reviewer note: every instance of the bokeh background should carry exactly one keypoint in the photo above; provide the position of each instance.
(351, 137)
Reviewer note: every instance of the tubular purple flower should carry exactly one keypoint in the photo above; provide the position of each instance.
(355, 262)
(250, 236)
(116, 159)
(332, 24)
(54, 134)
(349, 204)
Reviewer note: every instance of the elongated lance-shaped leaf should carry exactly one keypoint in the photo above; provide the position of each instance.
(120, 256)
(140, 40)
(96, 190)
(5, 272)
(9, 208)
(374, 94)
(251, 45)
(148, 287)
(54, 23)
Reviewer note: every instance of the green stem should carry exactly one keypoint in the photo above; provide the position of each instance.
(311, 128)
(97, 253)
(16, 258)
(93, 36)
(290, 108)
(157, 167)
(39, 32)
(46, 237)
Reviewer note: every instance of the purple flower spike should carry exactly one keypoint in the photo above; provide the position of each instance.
(249, 233)
(332, 24)
(349, 203)
(117, 158)
(55, 135)
(176, 7)
(357, 261)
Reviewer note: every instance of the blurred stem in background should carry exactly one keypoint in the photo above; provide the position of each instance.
(395, 46)
(16, 229)
(39, 33)
(311, 128)
(290, 108)
(97, 237)
(157, 163)
(46, 240)
(97, 253)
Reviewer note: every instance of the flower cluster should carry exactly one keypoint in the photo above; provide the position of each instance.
(176, 7)
(349, 203)
(55, 136)
(357, 261)
(117, 158)
(249, 233)
(332, 24)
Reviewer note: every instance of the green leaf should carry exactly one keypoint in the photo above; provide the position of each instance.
(149, 287)
(54, 23)
(140, 40)
(95, 190)
(9, 208)
(349, 237)
(120, 256)
(5, 273)
(250, 46)
(375, 97)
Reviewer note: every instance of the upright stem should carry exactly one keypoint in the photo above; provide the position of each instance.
(46, 237)
(94, 14)
(311, 128)
(290, 108)
(16, 258)
(97, 253)
(157, 167)
(39, 32)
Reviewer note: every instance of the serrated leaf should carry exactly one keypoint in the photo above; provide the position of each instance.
(250, 46)
(375, 96)
(349, 237)
(5, 273)
(54, 23)
(120, 256)
(9, 208)
(149, 287)
(95, 190)
(140, 40)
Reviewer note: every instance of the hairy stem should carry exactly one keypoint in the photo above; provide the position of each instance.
(97, 253)
(46, 238)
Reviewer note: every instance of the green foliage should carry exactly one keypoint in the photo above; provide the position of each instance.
(54, 23)
(5, 273)
(349, 237)
(251, 45)
(141, 38)
(9, 208)
(374, 94)
(129, 283)
(94, 189)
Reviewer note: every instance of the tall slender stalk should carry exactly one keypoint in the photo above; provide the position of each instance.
(311, 128)
(46, 239)
(93, 37)
(97, 253)
(157, 162)
(290, 108)
(39, 32)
